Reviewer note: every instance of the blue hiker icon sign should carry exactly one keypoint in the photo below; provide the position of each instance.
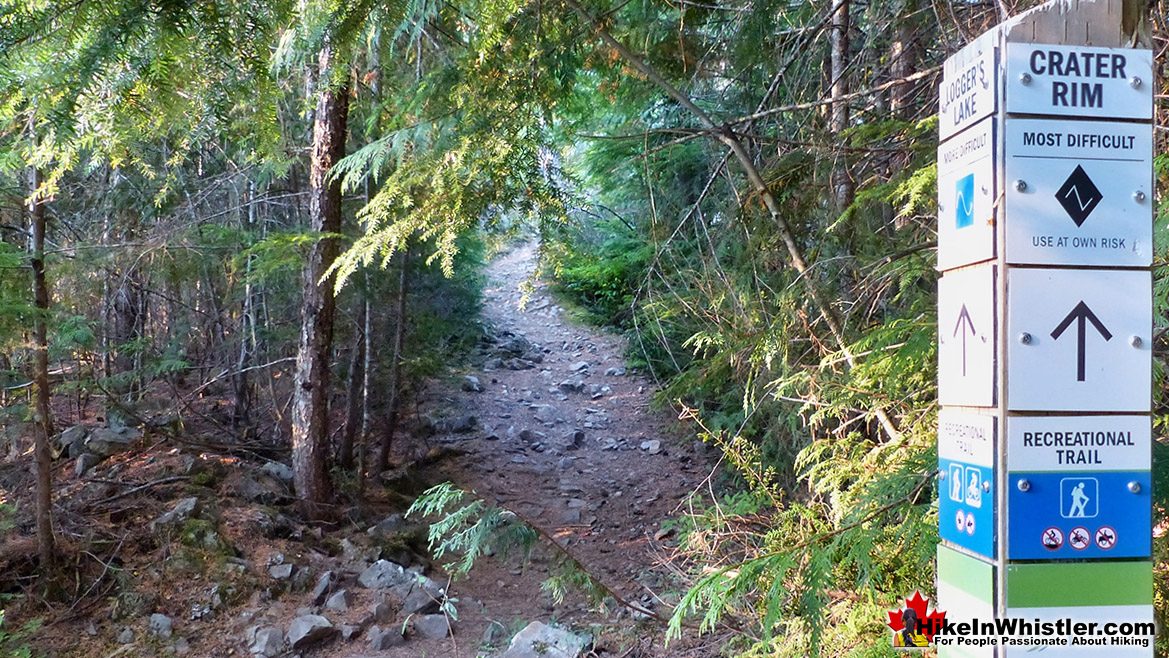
(956, 483)
(1079, 498)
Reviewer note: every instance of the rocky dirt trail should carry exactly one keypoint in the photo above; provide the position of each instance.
(552, 425)
(197, 551)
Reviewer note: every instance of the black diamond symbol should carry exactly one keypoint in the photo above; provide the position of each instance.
(1079, 196)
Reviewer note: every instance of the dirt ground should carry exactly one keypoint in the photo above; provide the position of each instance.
(548, 423)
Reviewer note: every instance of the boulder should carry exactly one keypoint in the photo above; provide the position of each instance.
(267, 642)
(387, 526)
(382, 639)
(339, 602)
(539, 640)
(183, 510)
(105, 441)
(433, 627)
(161, 625)
(322, 588)
(85, 461)
(384, 574)
(471, 384)
(280, 571)
(72, 440)
(307, 630)
(277, 470)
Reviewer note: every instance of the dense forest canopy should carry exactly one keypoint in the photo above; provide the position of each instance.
(265, 218)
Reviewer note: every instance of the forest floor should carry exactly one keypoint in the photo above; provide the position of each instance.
(547, 422)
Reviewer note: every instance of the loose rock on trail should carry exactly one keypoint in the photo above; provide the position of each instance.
(546, 421)
(565, 437)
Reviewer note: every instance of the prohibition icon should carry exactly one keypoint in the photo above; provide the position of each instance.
(1106, 537)
(1079, 538)
(1052, 538)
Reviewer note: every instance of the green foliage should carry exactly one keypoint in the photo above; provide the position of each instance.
(605, 277)
(465, 530)
(13, 643)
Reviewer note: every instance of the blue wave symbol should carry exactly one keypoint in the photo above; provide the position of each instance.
(964, 202)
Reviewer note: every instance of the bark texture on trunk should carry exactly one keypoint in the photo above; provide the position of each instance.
(310, 449)
(44, 459)
(354, 394)
(842, 185)
(381, 462)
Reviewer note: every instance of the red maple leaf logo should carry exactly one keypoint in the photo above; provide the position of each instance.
(928, 623)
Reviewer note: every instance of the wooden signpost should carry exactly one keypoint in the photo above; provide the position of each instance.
(1045, 197)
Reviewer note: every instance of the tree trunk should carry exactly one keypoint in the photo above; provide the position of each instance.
(44, 465)
(383, 454)
(241, 411)
(904, 56)
(354, 394)
(312, 381)
(842, 185)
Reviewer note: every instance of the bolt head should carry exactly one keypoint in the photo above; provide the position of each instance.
(1134, 487)
(1025, 78)
(986, 486)
(1020, 185)
(1024, 485)
(1138, 196)
(1135, 341)
(1135, 82)
(1025, 338)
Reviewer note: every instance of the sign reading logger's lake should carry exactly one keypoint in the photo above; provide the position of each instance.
(1079, 193)
(1079, 340)
(969, 90)
(1079, 81)
(966, 197)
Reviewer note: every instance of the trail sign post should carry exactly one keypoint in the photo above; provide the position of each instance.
(1045, 206)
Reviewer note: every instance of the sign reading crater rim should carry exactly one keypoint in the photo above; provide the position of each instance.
(1079, 81)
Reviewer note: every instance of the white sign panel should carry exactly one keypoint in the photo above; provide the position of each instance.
(969, 88)
(966, 437)
(966, 330)
(1079, 81)
(1078, 443)
(1079, 340)
(1079, 193)
(966, 197)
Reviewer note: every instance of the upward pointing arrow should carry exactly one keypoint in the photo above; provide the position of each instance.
(1080, 313)
(964, 324)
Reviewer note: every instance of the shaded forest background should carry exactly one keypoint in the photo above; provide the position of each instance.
(746, 189)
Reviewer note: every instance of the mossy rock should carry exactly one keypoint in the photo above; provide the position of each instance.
(204, 535)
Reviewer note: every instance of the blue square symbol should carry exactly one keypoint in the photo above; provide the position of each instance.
(964, 202)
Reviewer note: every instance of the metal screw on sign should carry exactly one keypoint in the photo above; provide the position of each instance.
(1025, 78)
(1135, 82)
(1024, 485)
(1025, 338)
(1134, 487)
(986, 486)
(1138, 196)
(941, 474)
(1135, 341)
(1020, 185)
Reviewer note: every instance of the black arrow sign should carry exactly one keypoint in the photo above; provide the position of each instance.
(964, 323)
(1080, 313)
